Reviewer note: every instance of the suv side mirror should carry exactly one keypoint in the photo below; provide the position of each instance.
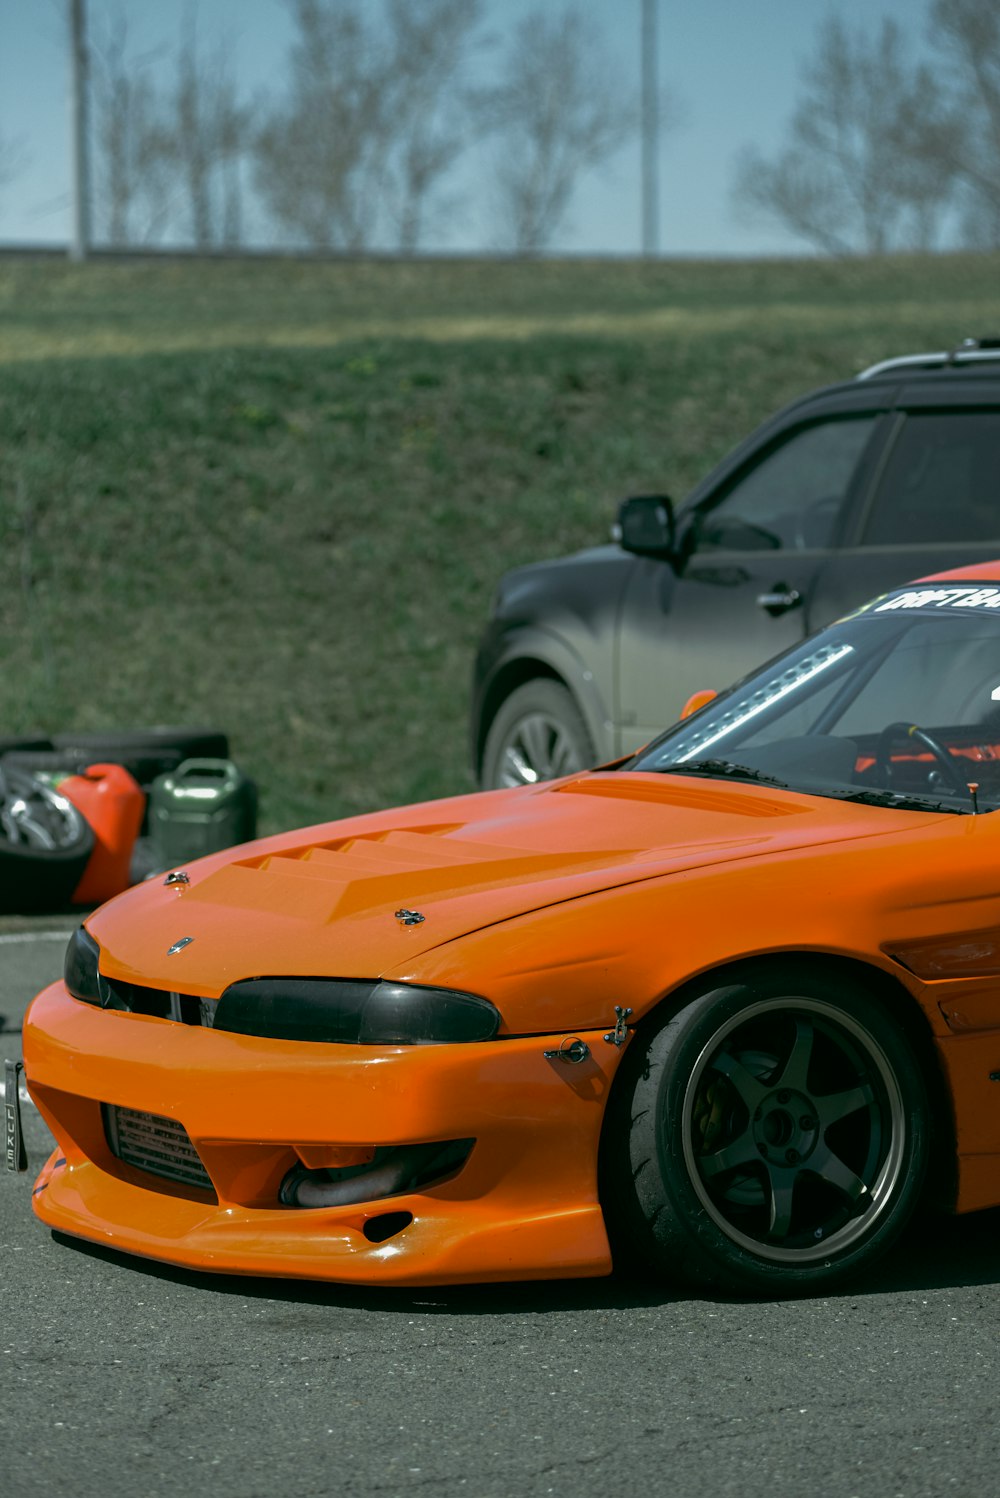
(646, 525)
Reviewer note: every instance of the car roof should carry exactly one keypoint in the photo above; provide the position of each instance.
(975, 360)
(981, 572)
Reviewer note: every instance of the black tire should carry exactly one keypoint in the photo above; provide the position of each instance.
(191, 743)
(537, 734)
(143, 767)
(45, 845)
(771, 1137)
(30, 745)
(47, 762)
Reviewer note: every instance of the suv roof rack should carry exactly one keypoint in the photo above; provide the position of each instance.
(969, 351)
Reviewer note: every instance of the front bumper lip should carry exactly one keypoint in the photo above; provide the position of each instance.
(524, 1205)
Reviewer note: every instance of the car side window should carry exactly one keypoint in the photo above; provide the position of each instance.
(790, 499)
(941, 481)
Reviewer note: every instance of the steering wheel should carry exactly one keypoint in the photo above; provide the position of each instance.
(894, 731)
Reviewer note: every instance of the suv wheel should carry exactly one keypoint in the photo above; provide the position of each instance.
(538, 734)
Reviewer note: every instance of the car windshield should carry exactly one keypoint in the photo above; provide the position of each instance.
(898, 705)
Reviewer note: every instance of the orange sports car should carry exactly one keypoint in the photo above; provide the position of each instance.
(725, 1010)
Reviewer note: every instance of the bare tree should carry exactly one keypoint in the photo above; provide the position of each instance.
(866, 168)
(13, 158)
(557, 114)
(433, 113)
(168, 152)
(370, 125)
(200, 138)
(319, 155)
(966, 34)
(131, 191)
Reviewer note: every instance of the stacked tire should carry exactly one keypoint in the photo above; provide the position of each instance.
(144, 752)
(45, 842)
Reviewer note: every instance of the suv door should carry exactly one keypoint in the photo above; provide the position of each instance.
(755, 549)
(934, 505)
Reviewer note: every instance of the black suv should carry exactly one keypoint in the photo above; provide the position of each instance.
(845, 493)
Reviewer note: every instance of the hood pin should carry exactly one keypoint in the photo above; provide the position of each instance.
(572, 1051)
(619, 1034)
(179, 946)
(409, 917)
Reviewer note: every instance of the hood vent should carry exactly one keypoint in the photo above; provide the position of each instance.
(673, 793)
(429, 860)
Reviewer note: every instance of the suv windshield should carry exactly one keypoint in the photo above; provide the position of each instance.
(898, 705)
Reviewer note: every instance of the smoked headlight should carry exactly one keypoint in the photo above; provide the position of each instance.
(354, 1013)
(80, 969)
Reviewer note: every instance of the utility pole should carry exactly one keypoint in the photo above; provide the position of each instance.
(78, 113)
(650, 132)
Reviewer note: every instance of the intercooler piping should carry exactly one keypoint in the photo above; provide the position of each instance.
(394, 1170)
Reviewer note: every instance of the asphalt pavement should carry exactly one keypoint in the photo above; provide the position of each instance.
(126, 1378)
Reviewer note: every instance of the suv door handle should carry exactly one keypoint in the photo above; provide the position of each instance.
(779, 600)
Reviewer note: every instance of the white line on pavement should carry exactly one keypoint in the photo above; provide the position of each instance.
(13, 938)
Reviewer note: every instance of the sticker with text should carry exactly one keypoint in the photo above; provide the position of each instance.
(941, 598)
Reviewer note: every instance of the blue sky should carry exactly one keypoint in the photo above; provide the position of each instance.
(733, 63)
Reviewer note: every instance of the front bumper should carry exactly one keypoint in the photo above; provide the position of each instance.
(523, 1206)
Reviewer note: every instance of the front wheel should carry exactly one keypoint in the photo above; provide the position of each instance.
(770, 1137)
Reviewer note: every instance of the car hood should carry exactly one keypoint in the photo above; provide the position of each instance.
(328, 900)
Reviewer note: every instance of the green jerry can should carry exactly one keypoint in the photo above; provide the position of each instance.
(203, 806)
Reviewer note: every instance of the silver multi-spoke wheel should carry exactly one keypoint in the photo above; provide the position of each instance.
(34, 815)
(538, 734)
(45, 844)
(539, 748)
(770, 1135)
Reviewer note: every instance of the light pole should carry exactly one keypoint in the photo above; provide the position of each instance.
(78, 99)
(650, 132)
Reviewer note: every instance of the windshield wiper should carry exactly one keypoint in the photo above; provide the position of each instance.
(722, 769)
(898, 800)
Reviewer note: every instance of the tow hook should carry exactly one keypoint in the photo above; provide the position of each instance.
(14, 1150)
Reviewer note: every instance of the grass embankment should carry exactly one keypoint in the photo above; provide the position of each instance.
(277, 497)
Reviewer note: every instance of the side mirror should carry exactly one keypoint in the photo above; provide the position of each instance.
(646, 525)
(697, 701)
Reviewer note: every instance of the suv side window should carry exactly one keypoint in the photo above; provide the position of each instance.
(792, 498)
(941, 481)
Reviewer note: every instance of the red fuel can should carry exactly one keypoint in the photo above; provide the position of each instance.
(113, 803)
